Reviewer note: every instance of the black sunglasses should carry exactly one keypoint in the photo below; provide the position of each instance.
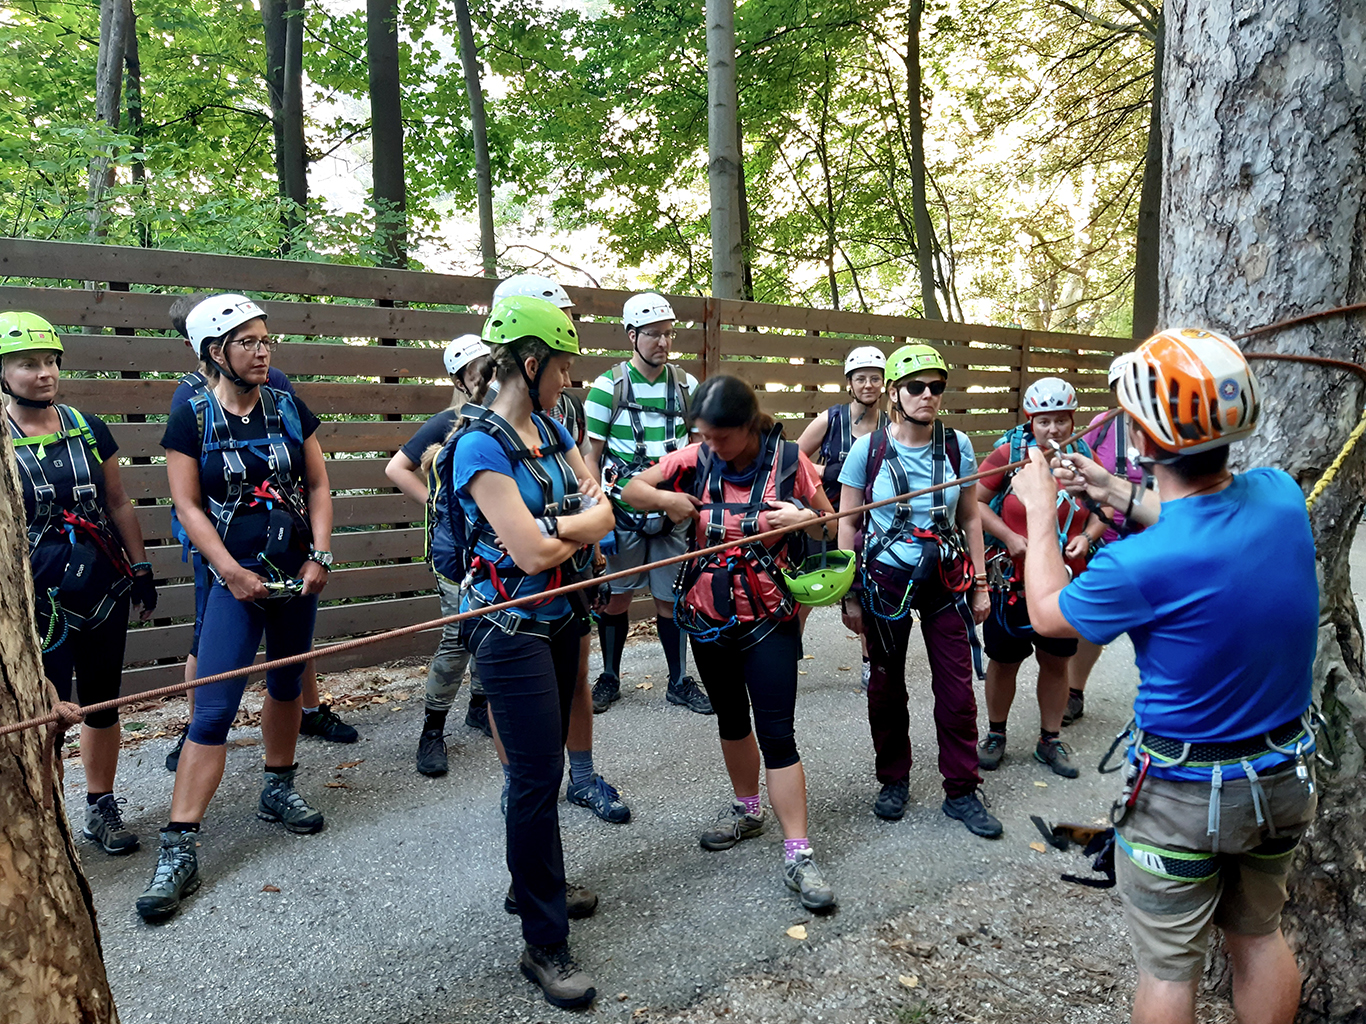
(917, 387)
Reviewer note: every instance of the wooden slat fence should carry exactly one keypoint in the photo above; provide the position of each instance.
(793, 356)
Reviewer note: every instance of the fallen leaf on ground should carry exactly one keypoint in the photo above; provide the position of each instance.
(622, 997)
(640, 1012)
(797, 931)
(270, 888)
(645, 686)
(337, 785)
(401, 696)
(381, 699)
(245, 741)
(134, 726)
(349, 764)
(1039, 847)
(801, 671)
(649, 676)
(1041, 785)
(808, 657)
(909, 980)
(843, 668)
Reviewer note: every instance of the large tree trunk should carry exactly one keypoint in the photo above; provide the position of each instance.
(284, 29)
(386, 132)
(132, 91)
(723, 166)
(924, 228)
(1149, 239)
(1263, 218)
(483, 173)
(51, 971)
(116, 22)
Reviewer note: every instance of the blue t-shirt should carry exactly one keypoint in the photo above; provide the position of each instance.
(919, 468)
(1221, 602)
(185, 391)
(476, 451)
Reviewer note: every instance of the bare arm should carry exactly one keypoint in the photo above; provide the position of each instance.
(594, 460)
(319, 495)
(1077, 474)
(814, 434)
(995, 525)
(587, 527)
(969, 517)
(643, 492)
(501, 503)
(1045, 575)
(121, 512)
(403, 474)
(850, 497)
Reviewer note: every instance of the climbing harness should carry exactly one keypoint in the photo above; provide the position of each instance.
(618, 469)
(839, 438)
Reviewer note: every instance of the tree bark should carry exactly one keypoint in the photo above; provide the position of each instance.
(51, 971)
(1149, 205)
(746, 256)
(132, 91)
(920, 208)
(483, 173)
(284, 30)
(1264, 127)
(116, 18)
(723, 167)
(390, 196)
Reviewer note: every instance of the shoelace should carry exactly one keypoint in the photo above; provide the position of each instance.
(608, 790)
(173, 859)
(110, 812)
(563, 960)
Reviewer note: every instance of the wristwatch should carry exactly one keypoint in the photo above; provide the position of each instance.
(323, 558)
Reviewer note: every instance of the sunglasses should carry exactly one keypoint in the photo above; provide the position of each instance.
(917, 387)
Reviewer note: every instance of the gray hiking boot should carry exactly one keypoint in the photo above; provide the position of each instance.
(1054, 753)
(890, 804)
(689, 695)
(606, 691)
(431, 753)
(104, 824)
(601, 798)
(972, 812)
(990, 751)
(281, 802)
(561, 978)
(176, 876)
(1076, 707)
(735, 824)
(805, 879)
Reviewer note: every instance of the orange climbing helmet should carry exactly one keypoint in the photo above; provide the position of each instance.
(1190, 390)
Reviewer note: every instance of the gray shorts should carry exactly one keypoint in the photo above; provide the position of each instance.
(634, 550)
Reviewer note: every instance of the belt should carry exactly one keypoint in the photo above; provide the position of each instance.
(1166, 749)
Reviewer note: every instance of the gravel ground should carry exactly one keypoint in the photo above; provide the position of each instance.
(394, 912)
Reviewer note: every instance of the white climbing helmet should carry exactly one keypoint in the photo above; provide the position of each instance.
(463, 351)
(646, 308)
(1117, 366)
(535, 286)
(1049, 394)
(864, 357)
(219, 314)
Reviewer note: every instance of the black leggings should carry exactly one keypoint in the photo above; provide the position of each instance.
(529, 681)
(95, 658)
(764, 676)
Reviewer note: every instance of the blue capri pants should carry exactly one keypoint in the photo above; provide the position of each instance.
(230, 635)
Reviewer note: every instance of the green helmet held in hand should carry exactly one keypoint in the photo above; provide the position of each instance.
(912, 359)
(27, 332)
(522, 316)
(822, 579)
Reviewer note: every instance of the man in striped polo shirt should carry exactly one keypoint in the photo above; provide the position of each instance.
(637, 413)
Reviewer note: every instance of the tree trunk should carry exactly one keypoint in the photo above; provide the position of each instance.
(483, 173)
(723, 167)
(390, 194)
(284, 30)
(1263, 218)
(132, 91)
(1149, 205)
(116, 18)
(746, 256)
(920, 208)
(51, 971)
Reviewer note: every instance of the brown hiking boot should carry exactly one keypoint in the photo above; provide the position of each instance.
(561, 978)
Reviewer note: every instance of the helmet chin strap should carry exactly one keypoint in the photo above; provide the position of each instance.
(533, 385)
(29, 403)
(635, 347)
(230, 373)
(919, 423)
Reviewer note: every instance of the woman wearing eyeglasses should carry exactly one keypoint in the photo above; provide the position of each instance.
(924, 556)
(251, 491)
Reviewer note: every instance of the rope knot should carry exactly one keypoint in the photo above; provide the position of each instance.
(68, 714)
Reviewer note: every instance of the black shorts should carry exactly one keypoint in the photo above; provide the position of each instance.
(1008, 638)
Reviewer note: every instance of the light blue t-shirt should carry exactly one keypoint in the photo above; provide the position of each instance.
(919, 468)
(477, 451)
(1221, 602)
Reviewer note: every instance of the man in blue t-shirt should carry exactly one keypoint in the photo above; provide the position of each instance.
(1220, 599)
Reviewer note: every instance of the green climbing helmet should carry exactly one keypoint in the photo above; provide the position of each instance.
(27, 332)
(909, 360)
(822, 579)
(522, 316)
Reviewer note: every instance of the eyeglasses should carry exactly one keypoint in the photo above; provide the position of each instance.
(252, 344)
(917, 387)
(658, 335)
(863, 380)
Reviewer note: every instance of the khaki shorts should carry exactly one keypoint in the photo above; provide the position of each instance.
(1174, 887)
(634, 549)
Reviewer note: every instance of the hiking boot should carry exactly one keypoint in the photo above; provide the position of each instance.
(890, 804)
(1076, 708)
(990, 751)
(737, 824)
(561, 979)
(431, 752)
(281, 802)
(970, 810)
(176, 876)
(173, 758)
(805, 879)
(606, 691)
(1054, 753)
(104, 824)
(578, 901)
(600, 798)
(690, 695)
(325, 724)
(477, 716)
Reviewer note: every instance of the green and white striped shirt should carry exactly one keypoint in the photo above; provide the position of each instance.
(653, 399)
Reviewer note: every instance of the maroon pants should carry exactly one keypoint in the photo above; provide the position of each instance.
(955, 705)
